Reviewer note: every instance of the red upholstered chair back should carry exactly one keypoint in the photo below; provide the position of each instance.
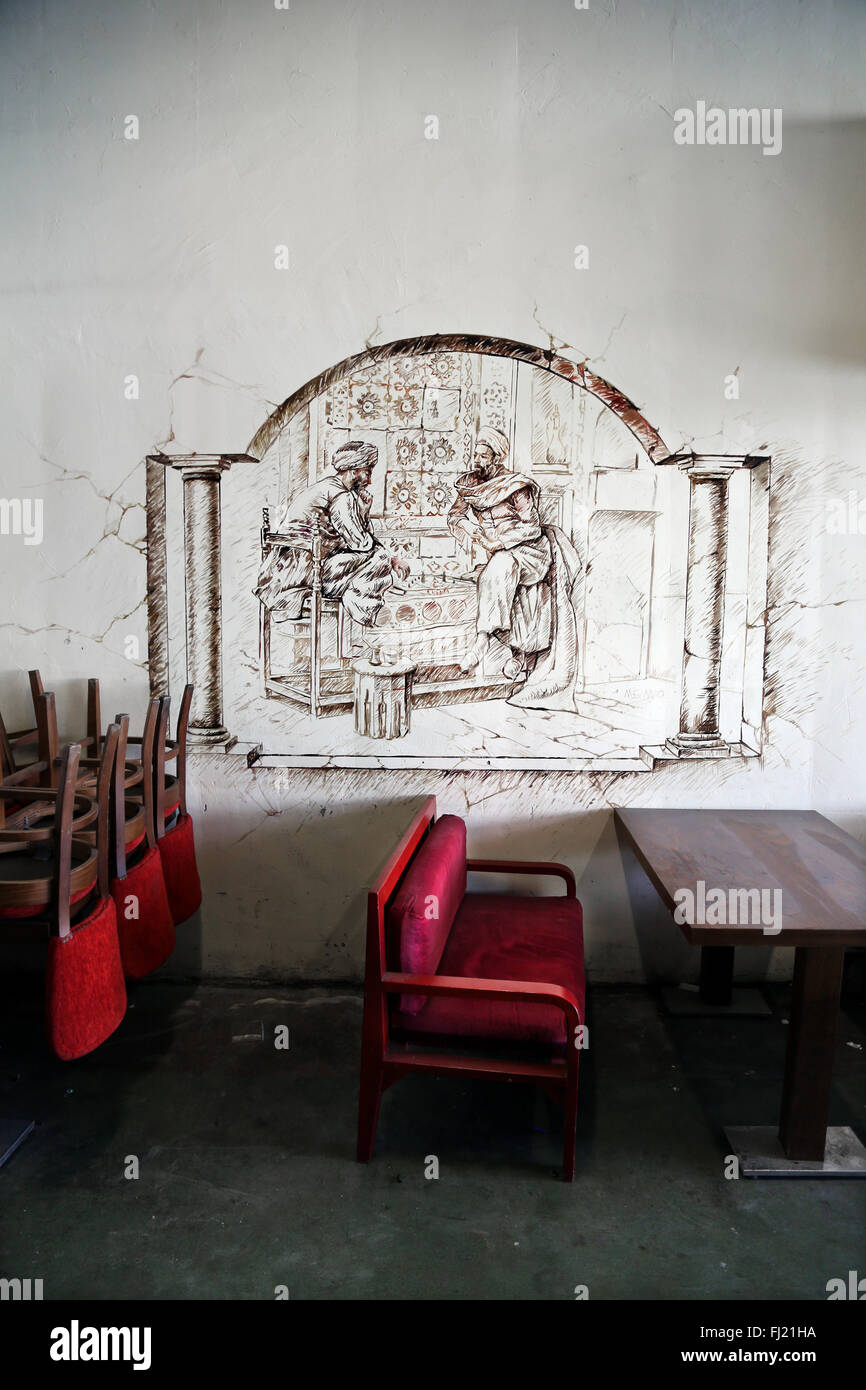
(426, 903)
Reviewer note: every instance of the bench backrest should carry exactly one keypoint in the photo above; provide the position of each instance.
(422, 912)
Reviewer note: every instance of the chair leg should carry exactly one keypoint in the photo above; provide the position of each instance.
(368, 1107)
(570, 1123)
(265, 620)
(315, 649)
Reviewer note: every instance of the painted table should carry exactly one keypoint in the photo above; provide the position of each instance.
(712, 865)
(383, 698)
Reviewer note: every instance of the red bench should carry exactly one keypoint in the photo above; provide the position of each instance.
(446, 968)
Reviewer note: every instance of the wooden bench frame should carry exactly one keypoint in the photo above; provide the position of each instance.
(384, 1060)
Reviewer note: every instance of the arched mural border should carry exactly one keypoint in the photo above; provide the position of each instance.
(577, 373)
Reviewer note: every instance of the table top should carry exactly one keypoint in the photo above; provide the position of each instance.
(400, 667)
(735, 878)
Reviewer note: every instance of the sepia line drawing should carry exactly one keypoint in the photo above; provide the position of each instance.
(460, 548)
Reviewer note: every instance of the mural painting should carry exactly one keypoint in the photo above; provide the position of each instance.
(457, 555)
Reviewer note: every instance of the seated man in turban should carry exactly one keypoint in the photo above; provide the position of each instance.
(355, 566)
(498, 509)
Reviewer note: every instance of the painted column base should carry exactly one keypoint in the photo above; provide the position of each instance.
(207, 735)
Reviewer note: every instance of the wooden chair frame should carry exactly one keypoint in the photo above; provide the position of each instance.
(45, 710)
(384, 1060)
(166, 750)
(71, 820)
(10, 742)
(305, 537)
(45, 737)
(130, 816)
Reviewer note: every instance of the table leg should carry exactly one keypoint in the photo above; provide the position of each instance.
(809, 1062)
(717, 974)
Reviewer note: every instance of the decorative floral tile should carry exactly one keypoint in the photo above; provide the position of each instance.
(442, 368)
(405, 450)
(406, 374)
(439, 494)
(367, 404)
(441, 453)
(403, 496)
(405, 407)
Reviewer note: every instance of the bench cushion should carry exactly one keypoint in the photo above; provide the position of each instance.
(426, 902)
(496, 937)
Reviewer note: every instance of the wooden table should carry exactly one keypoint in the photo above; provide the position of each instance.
(820, 872)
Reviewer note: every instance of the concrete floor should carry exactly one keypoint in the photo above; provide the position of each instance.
(247, 1177)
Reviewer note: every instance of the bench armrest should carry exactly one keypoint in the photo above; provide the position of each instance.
(520, 991)
(513, 866)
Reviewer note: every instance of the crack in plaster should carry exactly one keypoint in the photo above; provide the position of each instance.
(75, 632)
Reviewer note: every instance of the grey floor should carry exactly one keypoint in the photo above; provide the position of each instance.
(247, 1179)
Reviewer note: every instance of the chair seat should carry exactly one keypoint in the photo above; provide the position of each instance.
(497, 937)
(26, 881)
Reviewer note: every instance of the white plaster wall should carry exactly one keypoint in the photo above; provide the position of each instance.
(258, 127)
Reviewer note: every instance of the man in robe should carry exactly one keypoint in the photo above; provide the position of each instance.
(356, 568)
(525, 587)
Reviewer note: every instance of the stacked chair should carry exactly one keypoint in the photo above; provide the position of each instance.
(174, 828)
(54, 873)
(97, 851)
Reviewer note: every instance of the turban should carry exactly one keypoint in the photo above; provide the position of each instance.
(495, 440)
(354, 454)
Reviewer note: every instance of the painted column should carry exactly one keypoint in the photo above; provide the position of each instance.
(200, 474)
(699, 735)
(201, 549)
(157, 579)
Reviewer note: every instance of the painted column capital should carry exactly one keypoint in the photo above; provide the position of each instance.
(711, 465)
(714, 465)
(200, 465)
